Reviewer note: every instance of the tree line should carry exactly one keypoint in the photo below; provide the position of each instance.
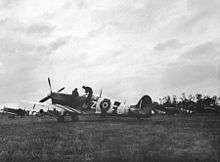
(197, 102)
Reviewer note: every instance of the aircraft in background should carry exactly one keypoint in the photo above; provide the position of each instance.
(12, 111)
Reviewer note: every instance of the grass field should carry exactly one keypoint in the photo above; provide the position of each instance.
(159, 138)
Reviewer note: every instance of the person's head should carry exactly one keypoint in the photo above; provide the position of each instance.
(75, 89)
(83, 87)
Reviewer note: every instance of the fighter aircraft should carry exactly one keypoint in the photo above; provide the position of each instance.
(75, 105)
(12, 112)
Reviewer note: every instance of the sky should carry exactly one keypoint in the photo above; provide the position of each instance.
(128, 48)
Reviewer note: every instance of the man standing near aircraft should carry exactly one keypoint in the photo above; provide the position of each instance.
(75, 93)
(89, 92)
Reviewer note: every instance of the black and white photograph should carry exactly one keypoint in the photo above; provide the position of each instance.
(110, 80)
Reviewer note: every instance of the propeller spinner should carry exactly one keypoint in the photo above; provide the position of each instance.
(49, 96)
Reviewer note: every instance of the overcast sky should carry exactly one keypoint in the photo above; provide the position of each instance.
(127, 47)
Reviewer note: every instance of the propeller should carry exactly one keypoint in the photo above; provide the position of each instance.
(45, 98)
(49, 85)
(100, 94)
(61, 89)
(49, 95)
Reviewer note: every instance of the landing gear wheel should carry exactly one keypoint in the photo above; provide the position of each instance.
(74, 118)
(60, 119)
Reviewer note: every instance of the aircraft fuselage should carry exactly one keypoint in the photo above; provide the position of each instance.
(68, 100)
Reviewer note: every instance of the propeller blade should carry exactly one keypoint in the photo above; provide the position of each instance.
(100, 94)
(45, 98)
(33, 106)
(49, 85)
(61, 89)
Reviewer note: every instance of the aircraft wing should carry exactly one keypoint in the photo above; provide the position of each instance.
(7, 112)
(67, 108)
(57, 106)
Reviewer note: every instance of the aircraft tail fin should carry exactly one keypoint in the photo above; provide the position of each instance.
(144, 102)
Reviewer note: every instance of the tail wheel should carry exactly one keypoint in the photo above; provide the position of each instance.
(105, 105)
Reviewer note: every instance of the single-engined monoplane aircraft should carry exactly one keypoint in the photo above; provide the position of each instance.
(75, 105)
(12, 112)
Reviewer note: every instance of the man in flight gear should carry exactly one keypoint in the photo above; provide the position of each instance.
(75, 93)
(89, 92)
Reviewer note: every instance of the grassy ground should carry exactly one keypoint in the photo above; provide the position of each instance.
(159, 138)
